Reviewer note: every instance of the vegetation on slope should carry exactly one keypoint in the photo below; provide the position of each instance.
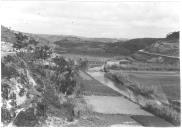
(35, 84)
(173, 35)
(168, 46)
(152, 98)
(165, 112)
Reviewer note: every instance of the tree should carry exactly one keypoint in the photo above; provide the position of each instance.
(20, 41)
(43, 52)
(64, 76)
(34, 42)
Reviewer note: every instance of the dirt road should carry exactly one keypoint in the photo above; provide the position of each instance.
(114, 105)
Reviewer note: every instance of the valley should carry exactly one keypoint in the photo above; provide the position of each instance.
(57, 80)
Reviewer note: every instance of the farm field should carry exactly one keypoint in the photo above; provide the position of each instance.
(84, 56)
(90, 87)
(169, 83)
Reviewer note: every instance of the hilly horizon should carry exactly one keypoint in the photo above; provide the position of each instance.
(83, 45)
(90, 64)
(56, 37)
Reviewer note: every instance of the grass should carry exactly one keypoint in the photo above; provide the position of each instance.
(166, 83)
(123, 80)
(165, 112)
(169, 113)
(146, 91)
(139, 66)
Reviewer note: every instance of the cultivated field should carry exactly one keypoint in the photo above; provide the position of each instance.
(169, 83)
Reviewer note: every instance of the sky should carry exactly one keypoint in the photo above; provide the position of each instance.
(91, 18)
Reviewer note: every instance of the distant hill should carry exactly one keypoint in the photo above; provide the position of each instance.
(46, 39)
(130, 46)
(101, 46)
(54, 38)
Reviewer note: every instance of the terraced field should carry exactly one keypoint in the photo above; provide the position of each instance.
(169, 83)
(107, 107)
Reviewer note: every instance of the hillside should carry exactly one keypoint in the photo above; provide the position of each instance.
(10, 36)
(119, 48)
(165, 47)
(130, 46)
(35, 84)
(7, 35)
(54, 38)
(164, 50)
(102, 46)
(83, 45)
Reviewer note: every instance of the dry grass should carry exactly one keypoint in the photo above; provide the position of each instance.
(123, 79)
(165, 112)
(136, 66)
(146, 91)
(150, 92)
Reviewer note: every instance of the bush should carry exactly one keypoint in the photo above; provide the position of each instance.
(8, 59)
(8, 71)
(5, 90)
(83, 64)
(165, 112)
(145, 91)
(5, 116)
(42, 52)
(68, 111)
(20, 41)
(34, 42)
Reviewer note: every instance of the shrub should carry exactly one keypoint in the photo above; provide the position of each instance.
(8, 71)
(61, 63)
(22, 92)
(68, 111)
(8, 59)
(5, 90)
(34, 42)
(145, 91)
(5, 116)
(165, 112)
(42, 52)
(20, 41)
(83, 64)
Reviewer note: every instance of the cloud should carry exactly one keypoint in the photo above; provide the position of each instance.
(93, 19)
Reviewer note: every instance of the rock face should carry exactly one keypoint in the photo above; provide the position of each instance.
(19, 93)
